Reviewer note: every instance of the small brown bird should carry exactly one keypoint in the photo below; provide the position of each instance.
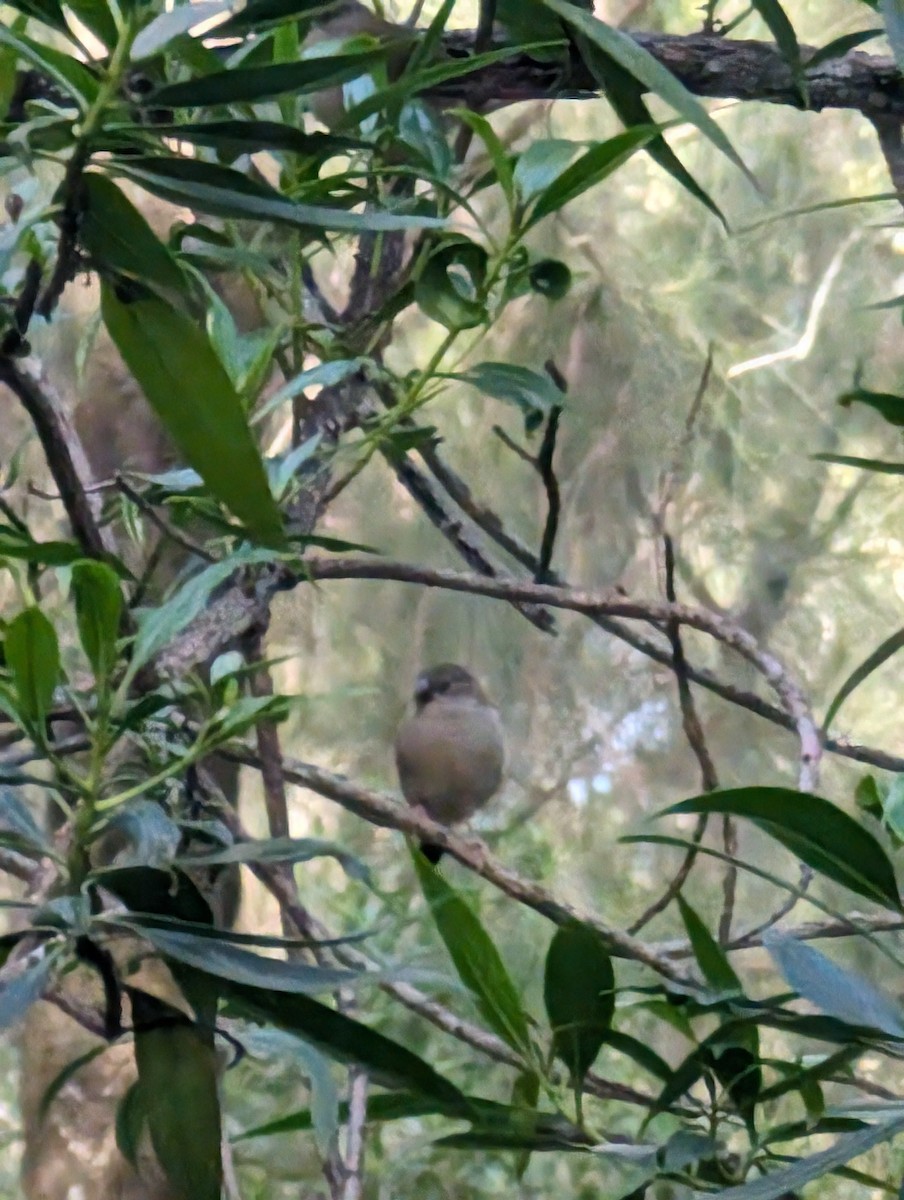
(449, 752)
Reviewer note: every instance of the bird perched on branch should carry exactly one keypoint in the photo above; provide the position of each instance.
(450, 752)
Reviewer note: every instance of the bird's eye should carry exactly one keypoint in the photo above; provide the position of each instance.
(442, 686)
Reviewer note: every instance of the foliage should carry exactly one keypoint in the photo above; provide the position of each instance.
(170, 162)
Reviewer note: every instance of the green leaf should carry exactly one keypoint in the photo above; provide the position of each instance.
(815, 830)
(785, 38)
(177, 1096)
(225, 960)
(224, 192)
(450, 286)
(711, 958)
(139, 834)
(348, 1041)
(96, 16)
(532, 392)
(158, 626)
(17, 994)
(540, 164)
(579, 992)
(242, 137)
(893, 16)
(68, 1072)
(48, 11)
(16, 543)
(657, 78)
(500, 158)
(550, 278)
(67, 72)
(477, 961)
(33, 657)
(838, 47)
(838, 992)
(263, 83)
(871, 663)
(788, 1180)
(187, 386)
(98, 608)
(590, 169)
(626, 96)
(887, 404)
(866, 464)
(119, 239)
(174, 23)
(16, 819)
(282, 849)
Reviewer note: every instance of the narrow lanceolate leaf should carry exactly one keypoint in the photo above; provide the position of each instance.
(888, 404)
(838, 992)
(33, 657)
(187, 386)
(871, 663)
(785, 38)
(262, 83)
(119, 239)
(98, 607)
(227, 961)
(711, 958)
(789, 1180)
(177, 1096)
(533, 392)
(579, 992)
(649, 72)
(160, 625)
(223, 192)
(477, 961)
(865, 464)
(348, 1041)
(18, 993)
(815, 830)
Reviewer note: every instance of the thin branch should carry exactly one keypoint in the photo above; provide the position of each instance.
(609, 603)
(64, 454)
(383, 810)
(412, 998)
(165, 528)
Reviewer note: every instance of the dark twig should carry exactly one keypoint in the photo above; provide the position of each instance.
(64, 454)
(165, 528)
(693, 731)
(544, 465)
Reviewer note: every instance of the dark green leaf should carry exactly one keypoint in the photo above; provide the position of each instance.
(449, 288)
(500, 158)
(98, 608)
(227, 961)
(263, 83)
(242, 137)
(648, 71)
(871, 663)
(348, 1041)
(838, 992)
(223, 192)
(67, 72)
(533, 392)
(787, 1180)
(33, 657)
(838, 47)
(785, 38)
(158, 626)
(284, 849)
(119, 239)
(139, 834)
(887, 404)
(96, 16)
(590, 169)
(812, 828)
(174, 23)
(477, 961)
(68, 1072)
(129, 1124)
(48, 11)
(177, 1096)
(550, 278)
(711, 958)
(579, 992)
(16, 543)
(866, 464)
(17, 994)
(184, 381)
